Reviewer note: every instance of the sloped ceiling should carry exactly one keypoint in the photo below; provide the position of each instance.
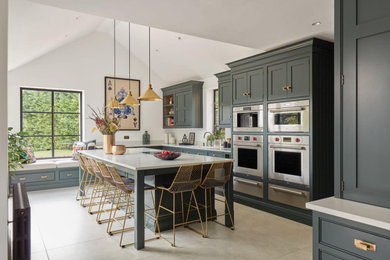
(260, 24)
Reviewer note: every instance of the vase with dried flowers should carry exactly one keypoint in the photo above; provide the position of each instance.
(107, 125)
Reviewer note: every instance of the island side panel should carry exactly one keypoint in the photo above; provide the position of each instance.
(139, 231)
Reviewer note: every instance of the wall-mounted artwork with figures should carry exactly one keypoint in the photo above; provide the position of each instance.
(120, 87)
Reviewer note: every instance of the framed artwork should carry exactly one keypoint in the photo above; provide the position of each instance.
(120, 87)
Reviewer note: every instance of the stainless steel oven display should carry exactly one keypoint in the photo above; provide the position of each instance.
(289, 116)
(249, 118)
(289, 159)
(248, 154)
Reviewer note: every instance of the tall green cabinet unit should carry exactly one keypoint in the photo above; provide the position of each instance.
(362, 140)
(225, 98)
(183, 105)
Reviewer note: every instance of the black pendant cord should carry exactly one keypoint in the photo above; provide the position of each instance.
(114, 59)
(129, 60)
(149, 56)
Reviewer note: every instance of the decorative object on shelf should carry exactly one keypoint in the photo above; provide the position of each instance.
(106, 125)
(146, 138)
(149, 94)
(171, 100)
(184, 139)
(129, 100)
(191, 138)
(118, 149)
(167, 155)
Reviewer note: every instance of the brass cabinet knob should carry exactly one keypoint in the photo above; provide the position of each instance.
(248, 94)
(284, 88)
(69, 174)
(43, 177)
(22, 179)
(364, 245)
(214, 155)
(244, 94)
(288, 88)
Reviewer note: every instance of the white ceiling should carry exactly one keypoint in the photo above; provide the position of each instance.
(218, 26)
(260, 24)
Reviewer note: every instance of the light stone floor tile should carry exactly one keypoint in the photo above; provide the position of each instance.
(65, 230)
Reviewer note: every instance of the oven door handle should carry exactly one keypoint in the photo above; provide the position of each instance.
(300, 193)
(289, 147)
(288, 109)
(248, 182)
(250, 146)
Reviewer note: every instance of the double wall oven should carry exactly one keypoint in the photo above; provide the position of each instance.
(289, 159)
(248, 118)
(289, 116)
(248, 154)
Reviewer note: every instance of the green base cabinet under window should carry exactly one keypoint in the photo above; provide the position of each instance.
(225, 99)
(183, 105)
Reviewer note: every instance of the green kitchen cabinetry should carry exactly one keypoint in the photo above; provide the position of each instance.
(289, 79)
(225, 98)
(248, 87)
(183, 105)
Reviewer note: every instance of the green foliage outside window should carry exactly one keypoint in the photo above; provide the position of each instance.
(51, 121)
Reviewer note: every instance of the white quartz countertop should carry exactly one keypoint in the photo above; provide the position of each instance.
(196, 147)
(143, 159)
(351, 210)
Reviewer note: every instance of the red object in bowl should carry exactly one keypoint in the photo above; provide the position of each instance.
(167, 155)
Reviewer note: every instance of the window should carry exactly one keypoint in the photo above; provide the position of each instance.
(51, 120)
(216, 109)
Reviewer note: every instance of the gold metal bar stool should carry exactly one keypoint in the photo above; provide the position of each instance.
(217, 176)
(187, 179)
(91, 184)
(84, 177)
(123, 197)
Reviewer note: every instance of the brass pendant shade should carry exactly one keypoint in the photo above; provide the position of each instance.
(129, 100)
(149, 95)
(114, 103)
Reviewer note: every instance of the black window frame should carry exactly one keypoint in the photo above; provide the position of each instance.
(52, 117)
(215, 109)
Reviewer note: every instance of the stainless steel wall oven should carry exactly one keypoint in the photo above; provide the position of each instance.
(289, 116)
(248, 154)
(248, 118)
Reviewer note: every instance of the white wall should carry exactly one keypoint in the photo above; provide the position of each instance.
(3, 130)
(82, 65)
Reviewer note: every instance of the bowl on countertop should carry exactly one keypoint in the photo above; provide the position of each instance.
(167, 155)
(118, 149)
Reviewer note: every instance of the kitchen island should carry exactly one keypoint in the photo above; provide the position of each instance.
(141, 165)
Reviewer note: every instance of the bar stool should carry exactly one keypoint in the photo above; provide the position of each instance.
(84, 177)
(187, 179)
(94, 181)
(217, 176)
(123, 197)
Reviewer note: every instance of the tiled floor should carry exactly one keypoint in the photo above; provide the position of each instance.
(62, 229)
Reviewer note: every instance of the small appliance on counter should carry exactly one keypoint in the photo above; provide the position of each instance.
(188, 141)
(172, 139)
(146, 138)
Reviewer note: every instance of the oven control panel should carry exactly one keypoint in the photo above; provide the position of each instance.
(283, 139)
(254, 139)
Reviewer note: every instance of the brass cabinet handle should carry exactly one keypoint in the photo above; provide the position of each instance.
(22, 178)
(214, 155)
(248, 94)
(284, 88)
(69, 174)
(244, 94)
(198, 154)
(364, 245)
(288, 88)
(43, 177)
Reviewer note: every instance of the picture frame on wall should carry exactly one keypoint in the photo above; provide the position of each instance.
(131, 115)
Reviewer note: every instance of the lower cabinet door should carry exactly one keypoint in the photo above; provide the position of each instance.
(249, 187)
(289, 196)
(33, 177)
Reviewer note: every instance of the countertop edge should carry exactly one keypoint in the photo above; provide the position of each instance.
(354, 211)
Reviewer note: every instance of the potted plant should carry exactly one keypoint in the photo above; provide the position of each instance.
(219, 135)
(106, 125)
(16, 152)
(210, 139)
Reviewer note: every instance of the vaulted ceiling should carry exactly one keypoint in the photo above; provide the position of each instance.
(190, 39)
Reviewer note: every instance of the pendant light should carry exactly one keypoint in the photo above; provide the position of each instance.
(149, 94)
(114, 103)
(129, 100)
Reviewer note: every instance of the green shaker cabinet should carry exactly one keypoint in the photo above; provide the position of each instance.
(183, 105)
(248, 87)
(289, 79)
(225, 98)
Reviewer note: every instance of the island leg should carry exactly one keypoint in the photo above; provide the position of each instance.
(139, 230)
(229, 198)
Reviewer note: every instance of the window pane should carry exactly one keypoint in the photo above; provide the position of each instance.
(63, 145)
(66, 124)
(37, 123)
(66, 102)
(41, 146)
(36, 101)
